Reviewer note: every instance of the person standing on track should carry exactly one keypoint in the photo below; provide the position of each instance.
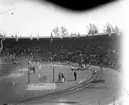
(75, 75)
(59, 77)
(101, 66)
(62, 77)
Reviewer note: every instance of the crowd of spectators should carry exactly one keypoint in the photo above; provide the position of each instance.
(89, 50)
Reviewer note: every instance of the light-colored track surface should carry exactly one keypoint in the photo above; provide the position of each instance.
(88, 95)
(16, 93)
(93, 94)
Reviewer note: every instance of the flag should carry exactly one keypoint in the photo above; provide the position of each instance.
(78, 35)
(16, 37)
(51, 37)
(31, 37)
(37, 36)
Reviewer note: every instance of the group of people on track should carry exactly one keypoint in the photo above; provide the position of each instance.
(61, 77)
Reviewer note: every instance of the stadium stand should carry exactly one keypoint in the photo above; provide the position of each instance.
(92, 50)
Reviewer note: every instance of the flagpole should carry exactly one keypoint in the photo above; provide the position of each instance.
(51, 38)
(51, 55)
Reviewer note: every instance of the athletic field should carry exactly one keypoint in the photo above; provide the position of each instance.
(17, 85)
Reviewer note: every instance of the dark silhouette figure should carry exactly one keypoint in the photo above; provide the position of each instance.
(75, 75)
(34, 69)
(59, 77)
(101, 66)
(62, 77)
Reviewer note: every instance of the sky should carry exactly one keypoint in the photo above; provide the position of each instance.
(33, 17)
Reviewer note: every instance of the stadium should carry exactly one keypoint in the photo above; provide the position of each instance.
(83, 70)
